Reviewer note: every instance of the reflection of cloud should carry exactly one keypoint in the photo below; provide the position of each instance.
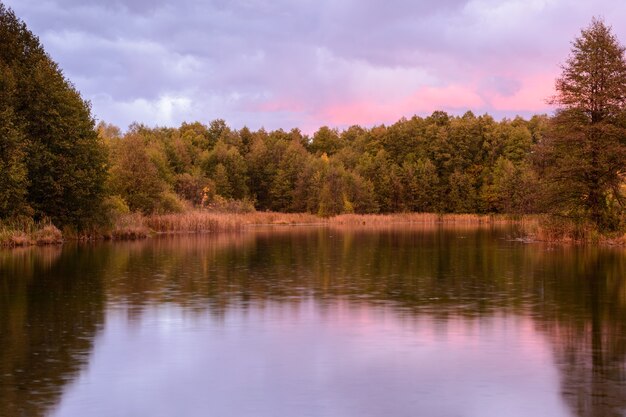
(237, 59)
(315, 359)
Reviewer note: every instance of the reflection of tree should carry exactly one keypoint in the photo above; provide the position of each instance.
(577, 296)
(418, 267)
(52, 301)
(50, 309)
(587, 327)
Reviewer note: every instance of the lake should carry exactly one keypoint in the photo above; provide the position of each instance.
(314, 321)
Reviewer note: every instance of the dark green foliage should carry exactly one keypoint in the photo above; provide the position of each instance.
(510, 188)
(584, 154)
(53, 164)
(290, 169)
(14, 178)
(461, 193)
(421, 185)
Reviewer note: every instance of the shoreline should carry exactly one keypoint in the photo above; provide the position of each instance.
(535, 228)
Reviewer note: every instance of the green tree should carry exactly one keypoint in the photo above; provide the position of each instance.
(462, 194)
(223, 186)
(14, 178)
(289, 170)
(134, 176)
(326, 140)
(197, 135)
(225, 165)
(585, 149)
(217, 130)
(359, 194)
(421, 185)
(47, 120)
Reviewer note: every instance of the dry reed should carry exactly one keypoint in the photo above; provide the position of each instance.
(567, 231)
(205, 221)
(129, 227)
(137, 226)
(27, 233)
(423, 218)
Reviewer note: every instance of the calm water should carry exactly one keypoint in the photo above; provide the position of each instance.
(314, 322)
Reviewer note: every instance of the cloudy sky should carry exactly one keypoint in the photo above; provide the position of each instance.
(307, 63)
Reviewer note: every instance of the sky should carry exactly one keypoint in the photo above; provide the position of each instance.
(309, 63)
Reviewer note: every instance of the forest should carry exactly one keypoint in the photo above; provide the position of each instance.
(59, 166)
(440, 163)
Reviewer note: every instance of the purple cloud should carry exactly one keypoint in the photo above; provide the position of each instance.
(309, 63)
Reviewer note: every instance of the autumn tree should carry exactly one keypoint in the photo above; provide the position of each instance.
(585, 149)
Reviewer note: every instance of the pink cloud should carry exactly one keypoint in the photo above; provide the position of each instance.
(425, 100)
(532, 96)
(510, 94)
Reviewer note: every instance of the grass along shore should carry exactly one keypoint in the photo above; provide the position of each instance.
(137, 226)
(209, 222)
(28, 233)
(568, 231)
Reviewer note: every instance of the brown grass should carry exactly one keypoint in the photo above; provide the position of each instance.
(47, 235)
(533, 227)
(422, 218)
(27, 233)
(136, 226)
(568, 231)
(129, 227)
(205, 221)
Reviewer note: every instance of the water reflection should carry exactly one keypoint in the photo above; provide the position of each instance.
(587, 328)
(314, 321)
(51, 305)
(297, 360)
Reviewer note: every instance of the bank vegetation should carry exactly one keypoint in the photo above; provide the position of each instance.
(63, 176)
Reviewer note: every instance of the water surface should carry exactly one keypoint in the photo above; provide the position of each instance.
(314, 321)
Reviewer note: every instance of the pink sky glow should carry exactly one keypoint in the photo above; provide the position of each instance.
(285, 64)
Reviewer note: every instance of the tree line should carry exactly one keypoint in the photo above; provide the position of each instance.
(57, 164)
(441, 163)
